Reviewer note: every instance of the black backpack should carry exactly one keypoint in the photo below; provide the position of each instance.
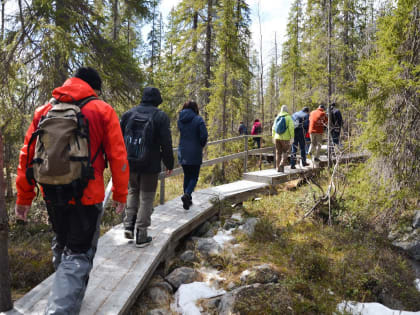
(139, 135)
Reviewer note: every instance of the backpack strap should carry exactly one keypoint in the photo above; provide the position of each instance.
(84, 101)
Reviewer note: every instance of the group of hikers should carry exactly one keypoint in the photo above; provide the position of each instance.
(74, 137)
(301, 128)
(67, 147)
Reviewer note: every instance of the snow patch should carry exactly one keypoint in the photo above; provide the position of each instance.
(223, 237)
(370, 309)
(237, 216)
(188, 294)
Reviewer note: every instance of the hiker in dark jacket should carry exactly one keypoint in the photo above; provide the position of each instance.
(193, 138)
(242, 129)
(336, 123)
(301, 123)
(144, 177)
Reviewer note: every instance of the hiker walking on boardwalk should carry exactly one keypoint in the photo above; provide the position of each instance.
(256, 130)
(242, 129)
(336, 123)
(301, 123)
(193, 138)
(64, 153)
(147, 135)
(317, 123)
(283, 131)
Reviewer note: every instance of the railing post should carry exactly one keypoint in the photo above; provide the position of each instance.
(162, 187)
(246, 154)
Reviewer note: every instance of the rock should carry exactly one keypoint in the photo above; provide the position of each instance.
(188, 256)
(203, 229)
(208, 246)
(231, 286)
(158, 311)
(181, 276)
(211, 305)
(160, 291)
(160, 295)
(213, 230)
(260, 274)
(230, 224)
(410, 243)
(416, 219)
(256, 299)
(238, 218)
(249, 226)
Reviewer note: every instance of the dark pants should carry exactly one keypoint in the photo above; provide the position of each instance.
(298, 140)
(74, 246)
(191, 173)
(335, 135)
(258, 142)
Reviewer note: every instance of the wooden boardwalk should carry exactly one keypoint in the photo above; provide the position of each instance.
(121, 270)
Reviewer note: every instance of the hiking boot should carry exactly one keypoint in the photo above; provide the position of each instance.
(186, 201)
(129, 233)
(305, 164)
(280, 169)
(317, 160)
(293, 167)
(142, 240)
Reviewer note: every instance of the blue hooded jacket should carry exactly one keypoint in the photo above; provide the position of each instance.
(193, 138)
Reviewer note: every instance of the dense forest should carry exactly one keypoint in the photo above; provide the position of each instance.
(363, 55)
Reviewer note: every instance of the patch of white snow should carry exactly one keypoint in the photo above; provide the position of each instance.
(188, 294)
(237, 216)
(370, 309)
(223, 237)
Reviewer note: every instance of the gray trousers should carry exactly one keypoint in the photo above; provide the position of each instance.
(72, 257)
(141, 195)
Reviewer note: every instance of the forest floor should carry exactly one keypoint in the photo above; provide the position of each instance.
(320, 264)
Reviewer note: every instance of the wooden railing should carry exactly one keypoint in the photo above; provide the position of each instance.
(177, 171)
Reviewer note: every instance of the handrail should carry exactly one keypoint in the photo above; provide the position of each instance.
(178, 171)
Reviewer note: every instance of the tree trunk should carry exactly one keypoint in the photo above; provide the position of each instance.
(262, 72)
(329, 81)
(208, 55)
(115, 20)
(60, 69)
(5, 293)
(2, 20)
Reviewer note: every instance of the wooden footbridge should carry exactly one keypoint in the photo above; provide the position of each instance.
(121, 271)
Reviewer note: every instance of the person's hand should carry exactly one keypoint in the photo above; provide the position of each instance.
(119, 207)
(168, 172)
(21, 211)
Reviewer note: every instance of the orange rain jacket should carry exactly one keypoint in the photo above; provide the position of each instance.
(104, 128)
(317, 120)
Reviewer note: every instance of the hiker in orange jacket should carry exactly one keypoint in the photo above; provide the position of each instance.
(76, 227)
(317, 123)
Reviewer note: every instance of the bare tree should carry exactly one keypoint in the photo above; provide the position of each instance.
(5, 293)
(261, 70)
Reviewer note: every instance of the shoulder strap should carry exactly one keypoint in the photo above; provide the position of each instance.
(84, 101)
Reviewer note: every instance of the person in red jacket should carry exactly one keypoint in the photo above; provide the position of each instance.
(256, 130)
(317, 122)
(76, 228)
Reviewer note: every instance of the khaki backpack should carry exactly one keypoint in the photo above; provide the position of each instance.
(62, 162)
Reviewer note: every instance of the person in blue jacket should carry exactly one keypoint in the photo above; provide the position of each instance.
(193, 138)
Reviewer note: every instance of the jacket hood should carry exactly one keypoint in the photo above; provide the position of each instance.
(151, 95)
(283, 113)
(186, 115)
(74, 89)
(257, 123)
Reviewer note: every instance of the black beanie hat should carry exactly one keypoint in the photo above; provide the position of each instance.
(90, 76)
